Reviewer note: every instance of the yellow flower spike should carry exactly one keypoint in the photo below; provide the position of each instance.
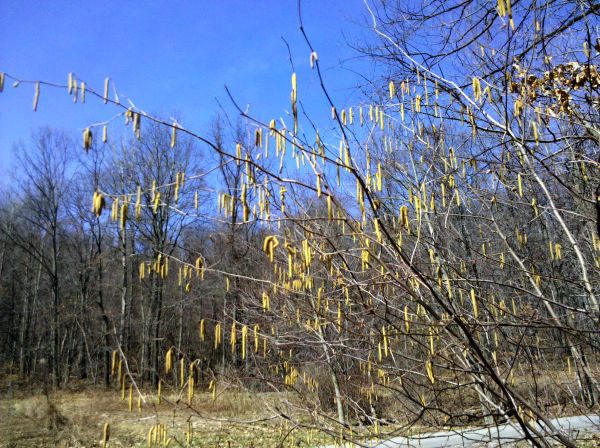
(87, 139)
(244, 340)
(256, 338)
(430, 371)
(313, 59)
(98, 204)
(535, 133)
(188, 435)
(138, 203)
(474, 301)
(233, 337)
(520, 184)
(190, 389)
(156, 202)
(115, 210)
(318, 185)
(361, 115)
(173, 134)
(476, 89)
(385, 341)
(213, 386)
(114, 362)
(105, 434)
(202, 326)
(269, 246)
(501, 8)
(392, 90)
(70, 83)
(217, 335)
(333, 112)
(181, 371)
(169, 360)
(83, 92)
(557, 251)
(36, 97)
(1, 82)
(105, 90)
(124, 209)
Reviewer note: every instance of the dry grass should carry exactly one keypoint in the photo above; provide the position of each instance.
(76, 419)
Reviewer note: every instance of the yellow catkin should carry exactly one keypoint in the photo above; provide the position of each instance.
(169, 360)
(244, 340)
(159, 391)
(474, 301)
(233, 337)
(123, 220)
(105, 90)
(181, 371)
(174, 135)
(105, 434)
(36, 97)
(430, 372)
(213, 386)
(75, 91)
(190, 389)
(501, 8)
(476, 89)
(114, 362)
(156, 203)
(87, 138)
(270, 245)
(1, 82)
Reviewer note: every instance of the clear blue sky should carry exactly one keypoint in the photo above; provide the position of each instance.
(169, 56)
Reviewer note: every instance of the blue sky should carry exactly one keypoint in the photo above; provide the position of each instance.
(170, 57)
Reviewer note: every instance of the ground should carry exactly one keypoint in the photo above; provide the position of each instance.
(77, 418)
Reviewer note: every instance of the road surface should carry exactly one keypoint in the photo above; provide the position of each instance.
(500, 435)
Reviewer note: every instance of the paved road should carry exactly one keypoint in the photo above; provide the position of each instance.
(496, 436)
